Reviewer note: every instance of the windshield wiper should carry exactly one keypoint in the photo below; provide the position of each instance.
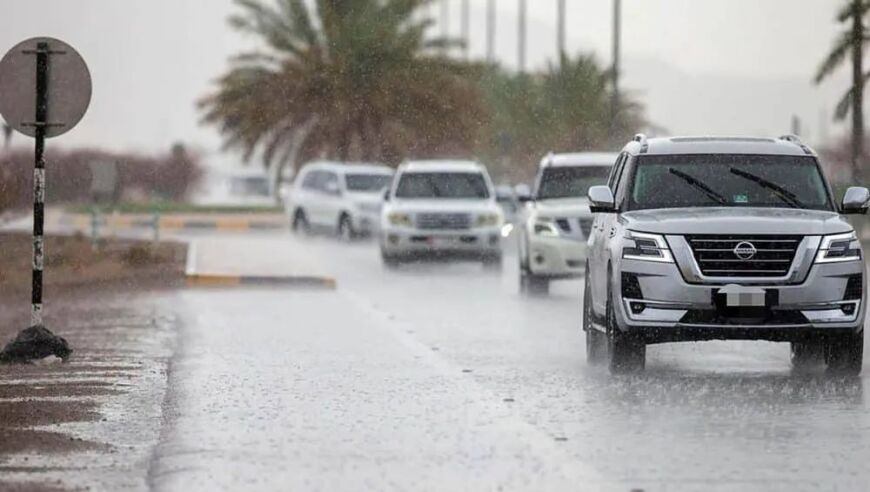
(782, 193)
(688, 178)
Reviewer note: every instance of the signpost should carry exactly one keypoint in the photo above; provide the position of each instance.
(45, 90)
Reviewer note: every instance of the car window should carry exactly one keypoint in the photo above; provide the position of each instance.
(367, 182)
(728, 180)
(309, 181)
(570, 181)
(455, 185)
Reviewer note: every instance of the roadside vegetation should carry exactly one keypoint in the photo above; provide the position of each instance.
(365, 80)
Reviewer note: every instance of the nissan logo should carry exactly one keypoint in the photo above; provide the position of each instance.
(745, 250)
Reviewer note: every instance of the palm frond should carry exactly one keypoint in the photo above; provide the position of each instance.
(841, 49)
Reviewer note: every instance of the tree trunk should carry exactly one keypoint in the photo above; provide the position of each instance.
(858, 92)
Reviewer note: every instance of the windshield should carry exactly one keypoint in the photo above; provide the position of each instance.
(570, 182)
(367, 182)
(442, 185)
(728, 180)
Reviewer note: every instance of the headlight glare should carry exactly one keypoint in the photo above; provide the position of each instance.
(839, 247)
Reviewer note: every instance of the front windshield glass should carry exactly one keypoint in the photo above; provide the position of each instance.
(571, 182)
(442, 185)
(729, 181)
(367, 182)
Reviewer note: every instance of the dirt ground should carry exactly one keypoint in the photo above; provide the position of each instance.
(62, 425)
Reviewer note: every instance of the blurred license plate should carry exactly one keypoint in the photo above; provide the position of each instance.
(440, 241)
(740, 296)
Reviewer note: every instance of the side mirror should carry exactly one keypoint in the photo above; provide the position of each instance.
(601, 200)
(855, 200)
(523, 193)
(386, 194)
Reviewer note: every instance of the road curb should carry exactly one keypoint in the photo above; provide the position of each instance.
(218, 281)
(170, 223)
(194, 279)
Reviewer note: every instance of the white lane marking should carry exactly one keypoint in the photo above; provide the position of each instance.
(542, 443)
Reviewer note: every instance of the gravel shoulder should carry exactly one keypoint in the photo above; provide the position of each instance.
(92, 423)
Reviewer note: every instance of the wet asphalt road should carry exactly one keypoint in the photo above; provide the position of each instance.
(441, 377)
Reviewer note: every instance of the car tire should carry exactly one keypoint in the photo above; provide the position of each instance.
(596, 341)
(345, 230)
(807, 354)
(300, 223)
(627, 353)
(844, 354)
(492, 263)
(389, 261)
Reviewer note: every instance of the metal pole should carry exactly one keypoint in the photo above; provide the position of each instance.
(521, 57)
(560, 35)
(490, 31)
(617, 34)
(41, 122)
(466, 27)
(445, 22)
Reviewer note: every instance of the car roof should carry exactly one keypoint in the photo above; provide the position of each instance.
(349, 167)
(580, 159)
(788, 145)
(434, 166)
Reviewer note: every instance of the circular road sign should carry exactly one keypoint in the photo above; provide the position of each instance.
(68, 86)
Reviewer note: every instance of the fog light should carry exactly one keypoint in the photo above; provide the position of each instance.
(637, 307)
(539, 259)
(848, 309)
(494, 239)
(393, 239)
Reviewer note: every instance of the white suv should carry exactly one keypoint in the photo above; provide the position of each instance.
(338, 197)
(441, 209)
(556, 219)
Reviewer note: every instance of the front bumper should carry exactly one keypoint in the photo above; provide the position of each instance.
(478, 242)
(557, 257)
(656, 302)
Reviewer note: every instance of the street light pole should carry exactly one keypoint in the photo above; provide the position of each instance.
(521, 57)
(466, 27)
(490, 31)
(617, 33)
(561, 30)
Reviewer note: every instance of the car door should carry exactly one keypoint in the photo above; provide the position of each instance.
(599, 240)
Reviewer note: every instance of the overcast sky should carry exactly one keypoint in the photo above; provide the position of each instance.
(701, 66)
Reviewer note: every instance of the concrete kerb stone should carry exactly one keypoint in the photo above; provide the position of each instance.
(196, 279)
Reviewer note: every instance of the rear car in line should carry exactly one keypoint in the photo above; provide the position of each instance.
(441, 210)
(340, 198)
(724, 238)
(556, 219)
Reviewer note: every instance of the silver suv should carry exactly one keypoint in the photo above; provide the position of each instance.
(723, 238)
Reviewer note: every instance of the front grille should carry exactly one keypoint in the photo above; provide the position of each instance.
(717, 255)
(442, 221)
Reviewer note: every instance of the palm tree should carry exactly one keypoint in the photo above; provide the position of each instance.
(344, 79)
(851, 43)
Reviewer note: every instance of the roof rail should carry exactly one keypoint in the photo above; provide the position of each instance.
(797, 141)
(641, 139)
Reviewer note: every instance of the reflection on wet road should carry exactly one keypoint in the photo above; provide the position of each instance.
(441, 377)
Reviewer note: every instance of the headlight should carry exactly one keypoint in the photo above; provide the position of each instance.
(839, 247)
(646, 247)
(399, 219)
(487, 220)
(545, 226)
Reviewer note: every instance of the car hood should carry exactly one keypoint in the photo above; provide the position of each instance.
(733, 220)
(567, 207)
(415, 206)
